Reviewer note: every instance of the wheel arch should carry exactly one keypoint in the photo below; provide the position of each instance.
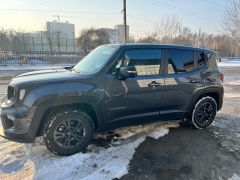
(215, 93)
(88, 105)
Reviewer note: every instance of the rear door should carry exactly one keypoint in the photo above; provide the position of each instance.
(140, 96)
(181, 81)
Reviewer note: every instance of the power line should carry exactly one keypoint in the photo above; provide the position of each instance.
(182, 10)
(155, 22)
(140, 18)
(59, 11)
(220, 5)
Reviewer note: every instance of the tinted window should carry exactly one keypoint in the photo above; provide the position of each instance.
(180, 61)
(201, 59)
(146, 61)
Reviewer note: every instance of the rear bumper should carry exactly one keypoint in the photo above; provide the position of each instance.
(13, 125)
(220, 100)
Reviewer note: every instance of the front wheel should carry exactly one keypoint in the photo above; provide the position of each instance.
(68, 131)
(204, 112)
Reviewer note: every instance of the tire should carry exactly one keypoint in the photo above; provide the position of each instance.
(204, 113)
(67, 131)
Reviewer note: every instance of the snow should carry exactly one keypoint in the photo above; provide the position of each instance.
(229, 63)
(32, 67)
(34, 161)
(234, 177)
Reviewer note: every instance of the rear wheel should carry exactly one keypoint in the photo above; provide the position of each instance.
(204, 112)
(68, 131)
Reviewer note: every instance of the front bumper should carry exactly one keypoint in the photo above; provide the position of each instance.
(14, 125)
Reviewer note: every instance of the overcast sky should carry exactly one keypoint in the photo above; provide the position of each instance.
(143, 14)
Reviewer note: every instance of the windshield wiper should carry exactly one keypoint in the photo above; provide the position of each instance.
(69, 68)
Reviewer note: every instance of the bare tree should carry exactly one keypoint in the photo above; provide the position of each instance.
(187, 37)
(11, 40)
(5, 42)
(150, 38)
(91, 38)
(231, 21)
(167, 28)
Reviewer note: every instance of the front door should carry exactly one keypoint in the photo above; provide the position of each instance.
(136, 97)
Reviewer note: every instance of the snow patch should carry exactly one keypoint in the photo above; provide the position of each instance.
(97, 162)
(229, 63)
(234, 177)
(32, 67)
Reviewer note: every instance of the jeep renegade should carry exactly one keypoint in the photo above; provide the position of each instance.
(113, 86)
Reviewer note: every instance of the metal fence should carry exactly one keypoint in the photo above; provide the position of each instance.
(40, 48)
(53, 44)
(39, 58)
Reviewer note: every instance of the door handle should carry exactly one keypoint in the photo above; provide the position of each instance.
(154, 84)
(195, 80)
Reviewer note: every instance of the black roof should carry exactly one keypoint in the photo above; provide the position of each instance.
(137, 45)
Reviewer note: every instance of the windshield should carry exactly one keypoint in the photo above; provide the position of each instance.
(95, 60)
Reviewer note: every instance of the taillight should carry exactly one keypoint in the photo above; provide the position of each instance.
(221, 76)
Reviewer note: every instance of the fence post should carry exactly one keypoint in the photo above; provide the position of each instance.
(58, 39)
(24, 45)
(41, 41)
(66, 45)
(73, 42)
(33, 43)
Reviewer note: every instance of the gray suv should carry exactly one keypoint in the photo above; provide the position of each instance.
(113, 86)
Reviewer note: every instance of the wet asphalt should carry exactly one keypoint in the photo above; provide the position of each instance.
(186, 153)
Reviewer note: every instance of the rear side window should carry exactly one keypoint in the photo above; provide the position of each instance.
(201, 59)
(180, 61)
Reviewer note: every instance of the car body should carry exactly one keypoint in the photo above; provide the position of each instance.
(124, 85)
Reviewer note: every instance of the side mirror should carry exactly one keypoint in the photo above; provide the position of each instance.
(127, 72)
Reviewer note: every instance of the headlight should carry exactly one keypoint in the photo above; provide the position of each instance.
(9, 102)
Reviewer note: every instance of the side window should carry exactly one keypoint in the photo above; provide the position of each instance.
(146, 61)
(201, 59)
(180, 61)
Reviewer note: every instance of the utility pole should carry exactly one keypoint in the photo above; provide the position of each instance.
(125, 21)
